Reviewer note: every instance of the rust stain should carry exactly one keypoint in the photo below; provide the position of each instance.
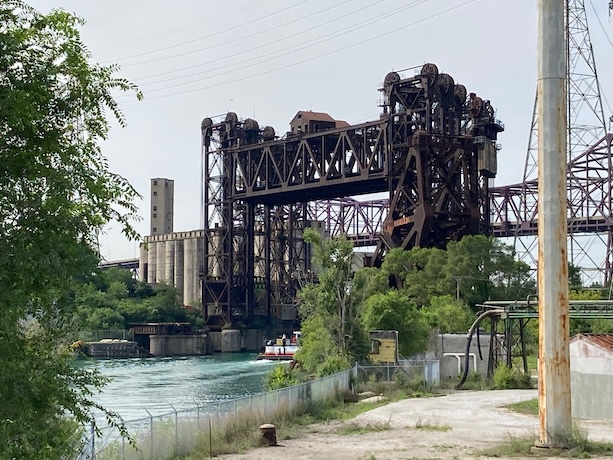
(600, 340)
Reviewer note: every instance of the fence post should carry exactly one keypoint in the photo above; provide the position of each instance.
(93, 437)
(150, 434)
(210, 438)
(265, 405)
(198, 417)
(176, 429)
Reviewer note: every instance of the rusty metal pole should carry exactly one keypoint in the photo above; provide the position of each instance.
(554, 366)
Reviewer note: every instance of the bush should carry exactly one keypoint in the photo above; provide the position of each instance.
(502, 378)
(505, 378)
(332, 365)
(280, 377)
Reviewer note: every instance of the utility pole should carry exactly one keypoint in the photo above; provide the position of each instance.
(555, 421)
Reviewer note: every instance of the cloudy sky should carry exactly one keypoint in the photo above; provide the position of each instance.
(268, 59)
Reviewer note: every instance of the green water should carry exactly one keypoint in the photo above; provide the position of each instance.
(157, 383)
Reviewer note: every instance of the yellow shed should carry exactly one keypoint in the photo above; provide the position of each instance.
(383, 346)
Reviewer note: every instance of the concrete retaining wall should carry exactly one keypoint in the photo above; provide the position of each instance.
(178, 345)
(231, 341)
(252, 340)
(214, 342)
(449, 350)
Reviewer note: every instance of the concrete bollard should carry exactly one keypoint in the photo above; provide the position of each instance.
(269, 433)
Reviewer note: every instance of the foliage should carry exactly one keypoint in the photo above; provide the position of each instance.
(475, 269)
(331, 309)
(56, 193)
(332, 365)
(502, 377)
(280, 377)
(576, 442)
(428, 425)
(434, 290)
(505, 377)
(449, 315)
(316, 344)
(395, 311)
(112, 299)
(528, 407)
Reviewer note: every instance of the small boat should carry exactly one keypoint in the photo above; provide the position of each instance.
(281, 349)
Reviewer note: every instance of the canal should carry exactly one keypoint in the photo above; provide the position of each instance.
(157, 383)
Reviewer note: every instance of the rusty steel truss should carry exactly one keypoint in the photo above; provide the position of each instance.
(590, 220)
(431, 151)
(590, 168)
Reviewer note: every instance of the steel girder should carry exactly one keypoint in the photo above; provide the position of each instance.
(432, 151)
(590, 208)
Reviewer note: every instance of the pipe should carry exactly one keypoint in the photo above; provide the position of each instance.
(469, 338)
(459, 356)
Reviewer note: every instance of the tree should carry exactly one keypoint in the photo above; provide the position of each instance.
(449, 315)
(112, 299)
(331, 328)
(395, 311)
(56, 193)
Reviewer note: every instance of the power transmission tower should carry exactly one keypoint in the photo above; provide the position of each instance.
(589, 159)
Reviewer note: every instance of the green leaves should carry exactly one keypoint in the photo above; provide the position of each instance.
(394, 311)
(56, 193)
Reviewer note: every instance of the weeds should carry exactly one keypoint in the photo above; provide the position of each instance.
(505, 377)
(355, 428)
(528, 407)
(428, 425)
(574, 444)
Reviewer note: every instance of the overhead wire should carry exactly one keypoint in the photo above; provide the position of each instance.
(230, 29)
(285, 51)
(601, 26)
(604, 96)
(355, 11)
(187, 26)
(398, 29)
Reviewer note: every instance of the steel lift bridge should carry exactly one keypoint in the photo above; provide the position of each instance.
(432, 150)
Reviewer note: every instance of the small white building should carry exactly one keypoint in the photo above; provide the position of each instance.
(591, 366)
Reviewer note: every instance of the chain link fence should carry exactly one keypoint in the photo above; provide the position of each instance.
(426, 372)
(177, 432)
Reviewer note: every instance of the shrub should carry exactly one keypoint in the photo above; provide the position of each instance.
(280, 377)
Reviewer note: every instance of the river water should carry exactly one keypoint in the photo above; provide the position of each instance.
(155, 384)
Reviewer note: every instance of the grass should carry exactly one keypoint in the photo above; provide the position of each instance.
(528, 407)
(241, 433)
(576, 442)
(354, 428)
(428, 425)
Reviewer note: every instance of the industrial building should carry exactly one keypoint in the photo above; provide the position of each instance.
(162, 206)
(591, 365)
(167, 257)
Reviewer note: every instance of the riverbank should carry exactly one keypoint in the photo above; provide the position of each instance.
(457, 425)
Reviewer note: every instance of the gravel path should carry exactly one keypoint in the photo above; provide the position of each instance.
(452, 427)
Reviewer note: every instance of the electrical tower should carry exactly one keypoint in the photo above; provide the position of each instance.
(589, 167)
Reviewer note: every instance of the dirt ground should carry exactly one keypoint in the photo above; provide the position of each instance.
(455, 426)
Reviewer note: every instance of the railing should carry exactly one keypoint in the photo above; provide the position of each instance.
(96, 336)
(177, 432)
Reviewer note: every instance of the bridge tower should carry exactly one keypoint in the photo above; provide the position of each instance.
(590, 229)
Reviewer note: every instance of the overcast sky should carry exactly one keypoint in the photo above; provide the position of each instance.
(268, 59)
